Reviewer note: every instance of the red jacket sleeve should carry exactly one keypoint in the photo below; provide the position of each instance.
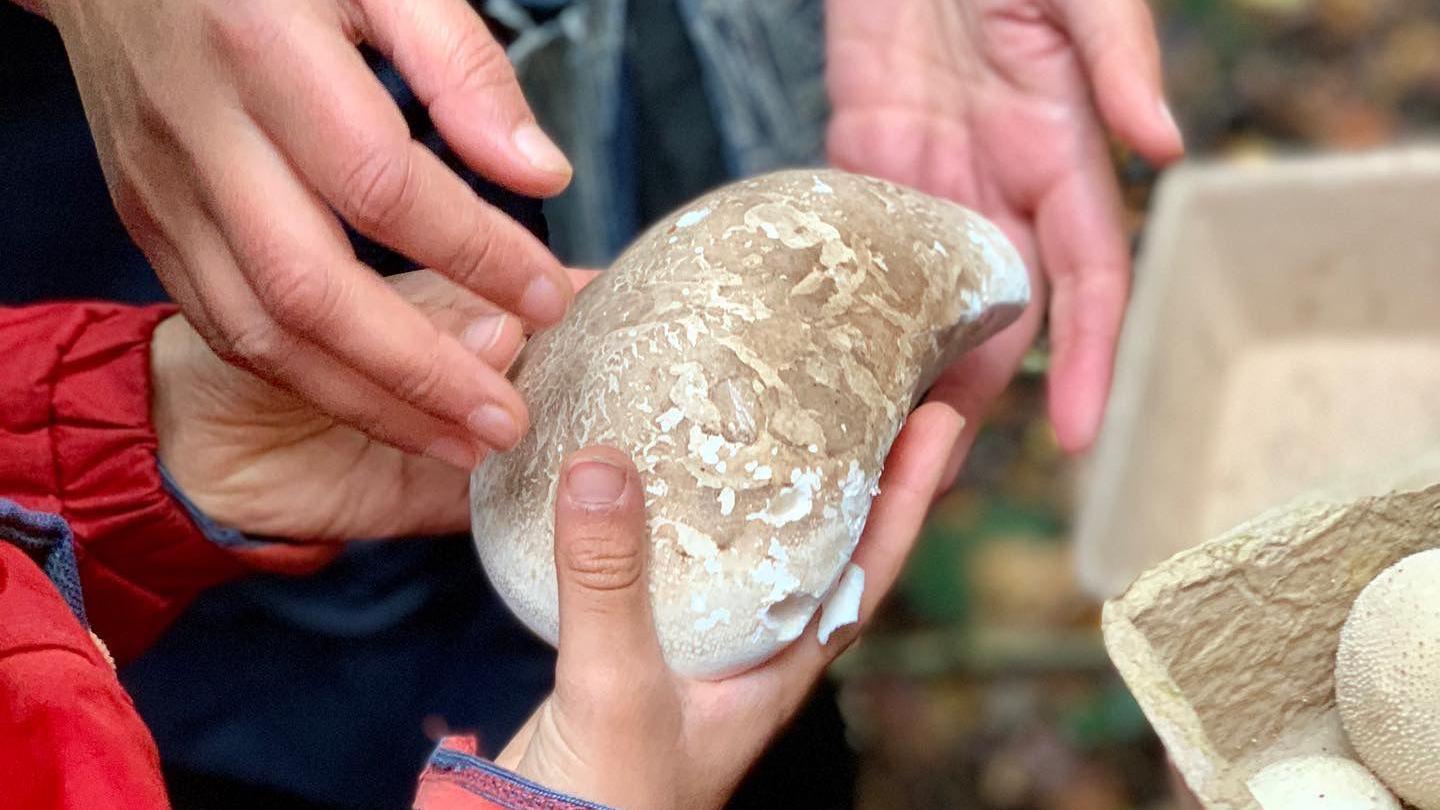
(76, 440)
(69, 735)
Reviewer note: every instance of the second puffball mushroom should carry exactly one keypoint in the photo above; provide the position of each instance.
(1319, 783)
(1387, 678)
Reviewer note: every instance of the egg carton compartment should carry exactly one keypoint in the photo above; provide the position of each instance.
(1229, 647)
(1285, 329)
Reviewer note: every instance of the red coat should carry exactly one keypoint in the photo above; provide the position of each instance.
(77, 460)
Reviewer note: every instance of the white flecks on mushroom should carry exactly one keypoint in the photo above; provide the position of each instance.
(716, 617)
(696, 543)
(1319, 783)
(788, 617)
(1008, 281)
(727, 501)
(690, 218)
(793, 502)
(843, 605)
(855, 499)
(1387, 678)
(777, 575)
(669, 419)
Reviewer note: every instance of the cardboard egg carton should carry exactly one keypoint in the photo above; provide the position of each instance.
(1285, 330)
(1230, 647)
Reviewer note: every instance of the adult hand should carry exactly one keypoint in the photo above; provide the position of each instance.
(257, 458)
(233, 133)
(1003, 105)
(620, 728)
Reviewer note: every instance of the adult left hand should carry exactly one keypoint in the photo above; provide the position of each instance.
(1004, 106)
(257, 458)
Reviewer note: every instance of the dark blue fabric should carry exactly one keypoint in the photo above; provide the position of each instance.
(445, 759)
(47, 540)
(321, 684)
(59, 237)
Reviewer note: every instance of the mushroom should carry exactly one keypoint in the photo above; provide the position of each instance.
(1319, 782)
(756, 353)
(1387, 678)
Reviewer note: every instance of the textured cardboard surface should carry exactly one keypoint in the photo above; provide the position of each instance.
(1285, 330)
(1229, 647)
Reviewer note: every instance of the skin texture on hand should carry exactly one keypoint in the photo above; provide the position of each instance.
(233, 134)
(257, 458)
(1004, 106)
(620, 728)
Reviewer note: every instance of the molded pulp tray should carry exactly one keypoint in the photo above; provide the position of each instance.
(1230, 647)
(1285, 330)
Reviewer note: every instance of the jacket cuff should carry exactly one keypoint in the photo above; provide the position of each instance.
(79, 443)
(456, 778)
(270, 554)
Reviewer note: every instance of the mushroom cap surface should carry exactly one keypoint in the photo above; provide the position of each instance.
(1387, 678)
(756, 353)
(1319, 783)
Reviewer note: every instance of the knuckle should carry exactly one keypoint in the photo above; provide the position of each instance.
(251, 344)
(244, 31)
(598, 562)
(424, 376)
(299, 295)
(478, 63)
(474, 255)
(378, 187)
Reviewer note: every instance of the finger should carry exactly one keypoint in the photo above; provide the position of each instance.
(971, 385)
(1081, 242)
(580, 277)
(219, 299)
(910, 479)
(1117, 43)
(299, 268)
(494, 335)
(353, 147)
(462, 75)
(601, 551)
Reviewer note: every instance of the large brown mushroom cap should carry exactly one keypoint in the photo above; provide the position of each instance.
(756, 353)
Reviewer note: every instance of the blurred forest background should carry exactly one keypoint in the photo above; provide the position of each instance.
(985, 685)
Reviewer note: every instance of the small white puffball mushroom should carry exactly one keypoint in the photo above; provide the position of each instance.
(1319, 783)
(1387, 678)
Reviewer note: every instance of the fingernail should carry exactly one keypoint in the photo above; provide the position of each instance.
(482, 335)
(595, 482)
(539, 150)
(453, 452)
(496, 426)
(543, 301)
(1168, 116)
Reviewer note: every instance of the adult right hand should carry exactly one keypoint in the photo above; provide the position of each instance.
(620, 727)
(233, 133)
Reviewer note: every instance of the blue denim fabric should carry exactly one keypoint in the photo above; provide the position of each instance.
(47, 540)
